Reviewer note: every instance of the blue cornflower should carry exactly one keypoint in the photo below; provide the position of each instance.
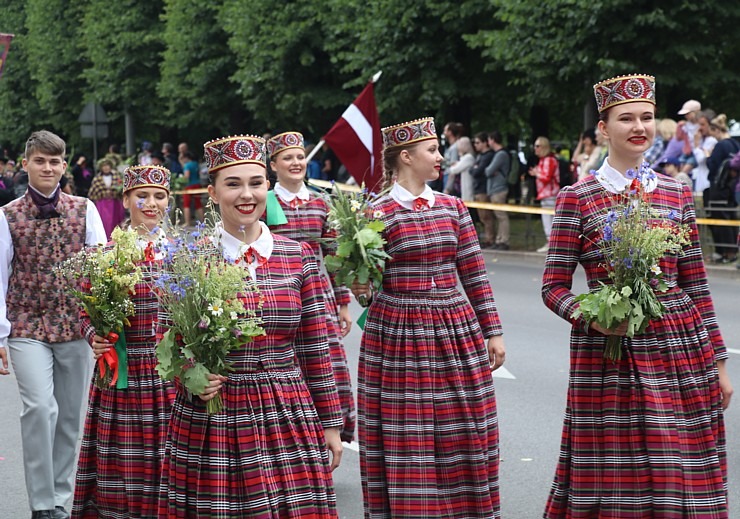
(608, 233)
(627, 210)
(673, 214)
(195, 234)
(154, 230)
(140, 203)
(627, 262)
(630, 173)
(611, 216)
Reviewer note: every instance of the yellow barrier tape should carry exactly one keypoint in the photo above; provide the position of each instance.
(509, 208)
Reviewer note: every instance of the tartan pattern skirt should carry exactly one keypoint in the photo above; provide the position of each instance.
(120, 462)
(428, 428)
(259, 458)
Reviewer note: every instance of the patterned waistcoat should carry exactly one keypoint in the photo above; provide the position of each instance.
(37, 304)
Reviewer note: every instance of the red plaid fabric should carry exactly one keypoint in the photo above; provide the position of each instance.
(309, 225)
(428, 429)
(643, 437)
(120, 462)
(265, 454)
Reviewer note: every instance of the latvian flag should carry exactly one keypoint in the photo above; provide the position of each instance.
(356, 140)
(4, 46)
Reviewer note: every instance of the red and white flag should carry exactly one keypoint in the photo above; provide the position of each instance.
(356, 139)
(4, 46)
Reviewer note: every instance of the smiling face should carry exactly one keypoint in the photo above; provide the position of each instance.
(147, 205)
(290, 166)
(241, 194)
(629, 129)
(44, 171)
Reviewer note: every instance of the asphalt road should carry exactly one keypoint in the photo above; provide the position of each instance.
(530, 393)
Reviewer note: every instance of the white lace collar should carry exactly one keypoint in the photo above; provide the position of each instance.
(303, 193)
(406, 199)
(615, 182)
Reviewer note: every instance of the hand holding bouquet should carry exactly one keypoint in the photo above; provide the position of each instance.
(634, 237)
(360, 257)
(199, 292)
(109, 276)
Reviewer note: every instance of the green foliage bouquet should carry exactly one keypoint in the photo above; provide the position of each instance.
(634, 238)
(103, 281)
(360, 255)
(199, 293)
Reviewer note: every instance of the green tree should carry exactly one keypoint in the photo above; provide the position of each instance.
(282, 72)
(54, 62)
(122, 44)
(195, 89)
(20, 113)
(554, 50)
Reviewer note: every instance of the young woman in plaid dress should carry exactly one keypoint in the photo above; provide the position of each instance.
(306, 215)
(643, 436)
(266, 455)
(126, 428)
(428, 429)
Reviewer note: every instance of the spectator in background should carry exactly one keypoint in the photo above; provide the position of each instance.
(145, 156)
(191, 173)
(654, 152)
(582, 154)
(668, 130)
(330, 164)
(20, 183)
(701, 148)
(497, 174)
(452, 133)
(671, 167)
(480, 185)
(721, 192)
(156, 159)
(114, 155)
(106, 191)
(313, 168)
(461, 168)
(171, 160)
(182, 149)
(597, 156)
(82, 175)
(547, 176)
(690, 112)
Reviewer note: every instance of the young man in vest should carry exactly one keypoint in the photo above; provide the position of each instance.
(39, 323)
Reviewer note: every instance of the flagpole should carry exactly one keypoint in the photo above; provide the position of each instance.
(321, 143)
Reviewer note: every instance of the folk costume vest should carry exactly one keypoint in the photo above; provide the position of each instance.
(37, 303)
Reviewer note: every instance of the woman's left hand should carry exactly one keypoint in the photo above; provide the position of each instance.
(496, 351)
(345, 320)
(334, 444)
(724, 384)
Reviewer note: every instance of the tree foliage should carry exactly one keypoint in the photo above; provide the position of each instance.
(192, 70)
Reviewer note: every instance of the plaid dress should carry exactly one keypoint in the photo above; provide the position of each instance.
(428, 429)
(264, 456)
(126, 429)
(308, 223)
(643, 437)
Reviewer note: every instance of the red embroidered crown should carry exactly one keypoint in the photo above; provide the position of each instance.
(407, 133)
(146, 176)
(239, 149)
(284, 141)
(624, 89)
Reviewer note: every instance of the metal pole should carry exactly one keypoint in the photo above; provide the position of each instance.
(315, 150)
(130, 139)
(95, 135)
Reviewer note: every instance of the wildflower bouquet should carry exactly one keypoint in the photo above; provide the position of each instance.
(199, 294)
(360, 255)
(109, 276)
(634, 237)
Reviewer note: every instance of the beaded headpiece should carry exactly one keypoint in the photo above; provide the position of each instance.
(239, 149)
(146, 176)
(624, 89)
(407, 133)
(284, 141)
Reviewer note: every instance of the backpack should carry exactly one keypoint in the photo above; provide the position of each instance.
(515, 168)
(565, 172)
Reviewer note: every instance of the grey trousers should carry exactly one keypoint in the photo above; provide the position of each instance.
(53, 380)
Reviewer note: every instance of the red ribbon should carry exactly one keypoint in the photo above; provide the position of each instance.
(109, 360)
(149, 252)
(252, 256)
(420, 204)
(295, 203)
